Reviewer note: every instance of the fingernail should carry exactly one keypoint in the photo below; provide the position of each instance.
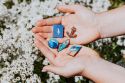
(43, 70)
(35, 36)
(33, 30)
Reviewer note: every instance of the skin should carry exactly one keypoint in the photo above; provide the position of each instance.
(112, 22)
(90, 26)
(87, 63)
(62, 63)
(79, 17)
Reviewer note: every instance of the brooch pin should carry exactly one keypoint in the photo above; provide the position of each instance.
(63, 45)
(58, 31)
(72, 34)
(74, 50)
(53, 43)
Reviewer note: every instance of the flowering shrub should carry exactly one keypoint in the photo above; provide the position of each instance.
(20, 60)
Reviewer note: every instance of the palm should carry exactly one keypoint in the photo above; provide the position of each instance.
(61, 62)
(62, 59)
(81, 18)
(85, 33)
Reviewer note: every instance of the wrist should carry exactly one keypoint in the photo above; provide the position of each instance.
(92, 69)
(90, 61)
(99, 25)
(105, 23)
(102, 71)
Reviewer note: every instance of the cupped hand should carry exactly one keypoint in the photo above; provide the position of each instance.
(64, 64)
(84, 20)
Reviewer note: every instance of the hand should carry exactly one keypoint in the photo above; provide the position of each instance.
(86, 63)
(84, 20)
(63, 64)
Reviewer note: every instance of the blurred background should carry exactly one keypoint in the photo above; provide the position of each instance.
(21, 61)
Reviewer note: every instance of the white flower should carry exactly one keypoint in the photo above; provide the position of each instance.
(17, 78)
(45, 62)
(3, 10)
(16, 42)
(100, 5)
(77, 78)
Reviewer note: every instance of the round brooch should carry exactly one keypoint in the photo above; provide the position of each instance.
(53, 43)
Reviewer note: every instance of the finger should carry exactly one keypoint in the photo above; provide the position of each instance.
(50, 34)
(46, 52)
(60, 40)
(45, 35)
(45, 29)
(66, 71)
(49, 21)
(68, 8)
(72, 40)
(55, 69)
(45, 42)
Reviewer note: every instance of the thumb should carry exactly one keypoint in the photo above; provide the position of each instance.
(66, 71)
(54, 69)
